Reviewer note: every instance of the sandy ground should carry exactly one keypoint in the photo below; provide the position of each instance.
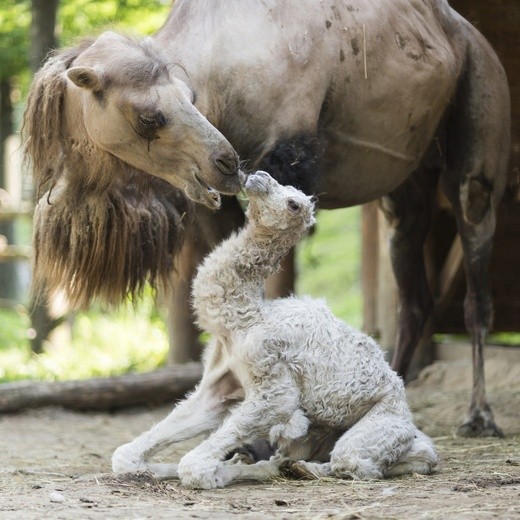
(55, 464)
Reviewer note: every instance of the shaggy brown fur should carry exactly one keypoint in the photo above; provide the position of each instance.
(106, 245)
(102, 229)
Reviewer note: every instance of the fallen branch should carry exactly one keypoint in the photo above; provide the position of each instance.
(107, 393)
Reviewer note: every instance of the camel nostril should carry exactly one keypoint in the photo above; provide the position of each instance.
(227, 164)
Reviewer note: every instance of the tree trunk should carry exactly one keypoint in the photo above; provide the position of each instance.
(8, 277)
(43, 25)
(43, 40)
(108, 393)
(6, 124)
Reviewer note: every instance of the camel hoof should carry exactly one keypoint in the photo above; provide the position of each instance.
(296, 470)
(480, 424)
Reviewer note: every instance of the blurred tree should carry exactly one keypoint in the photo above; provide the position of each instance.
(43, 40)
(14, 18)
(43, 28)
(71, 18)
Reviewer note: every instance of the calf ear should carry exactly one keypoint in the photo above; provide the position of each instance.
(86, 77)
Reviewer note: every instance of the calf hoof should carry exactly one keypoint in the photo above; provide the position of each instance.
(481, 423)
(202, 474)
(251, 453)
(297, 470)
(124, 461)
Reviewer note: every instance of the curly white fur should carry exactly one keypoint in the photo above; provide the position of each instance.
(286, 370)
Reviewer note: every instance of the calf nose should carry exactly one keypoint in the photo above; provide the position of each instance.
(227, 164)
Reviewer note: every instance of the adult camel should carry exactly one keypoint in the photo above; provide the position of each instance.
(349, 100)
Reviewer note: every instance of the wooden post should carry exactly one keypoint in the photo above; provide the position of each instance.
(387, 297)
(369, 265)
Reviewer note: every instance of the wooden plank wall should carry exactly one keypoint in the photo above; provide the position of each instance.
(499, 22)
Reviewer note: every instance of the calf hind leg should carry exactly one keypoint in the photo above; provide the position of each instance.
(379, 442)
(421, 458)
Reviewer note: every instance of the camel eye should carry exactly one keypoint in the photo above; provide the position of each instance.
(147, 121)
(293, 205)
(152, 121)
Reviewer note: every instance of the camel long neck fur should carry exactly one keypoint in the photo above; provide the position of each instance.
(228, 289)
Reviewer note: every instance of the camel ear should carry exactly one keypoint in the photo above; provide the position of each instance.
(86, 77)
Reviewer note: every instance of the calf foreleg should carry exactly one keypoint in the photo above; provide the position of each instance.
(267, 413)
(198, 414)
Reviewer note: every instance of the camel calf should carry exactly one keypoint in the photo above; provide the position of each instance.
(282, 370)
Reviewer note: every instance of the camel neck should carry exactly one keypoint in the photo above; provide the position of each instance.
(228, 291)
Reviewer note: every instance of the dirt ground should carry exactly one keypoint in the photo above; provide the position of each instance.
(56, 464)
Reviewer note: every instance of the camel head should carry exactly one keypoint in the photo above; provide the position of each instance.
(276, 208)
(122, 94)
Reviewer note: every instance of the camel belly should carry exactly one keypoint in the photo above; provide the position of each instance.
(390, 74)
(388, 96)
(372, 79)
(355, 171)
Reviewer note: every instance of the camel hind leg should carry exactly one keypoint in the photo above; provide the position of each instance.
(408, 210)
(478, 140)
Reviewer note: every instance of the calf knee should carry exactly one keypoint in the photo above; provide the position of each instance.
(296, 427)
(202, 473)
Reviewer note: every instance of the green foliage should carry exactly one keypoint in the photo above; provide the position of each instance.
(328, 263)
(84, 17)
(13, 331)
(75, 18)
(131, 339)
(15, 19)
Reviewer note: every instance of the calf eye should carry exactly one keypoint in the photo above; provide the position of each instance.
(293, 205)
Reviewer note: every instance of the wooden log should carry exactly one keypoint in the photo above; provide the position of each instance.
(387, 295)
(9, 253)
(109, 393)
(10, 213)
